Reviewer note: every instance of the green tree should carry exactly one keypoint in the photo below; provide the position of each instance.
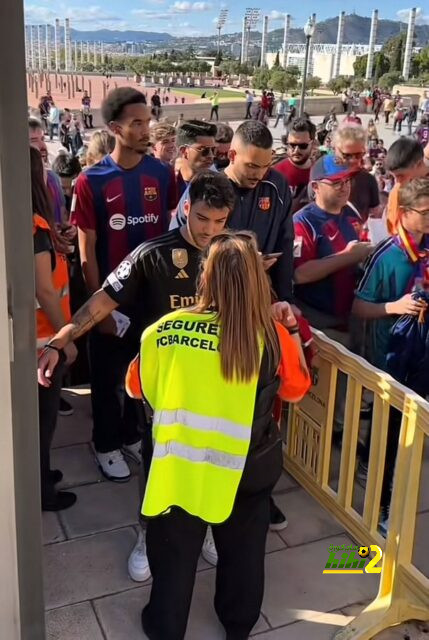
(277, 60)
(246, 69)
(360, 84)
(359, 66)
(218, 59)
(313, 83)
(282, 81)
(88, 67)
(293, 70)
(382, 65)
(261, 79)
(394, 49)
(388, 80)
(338, 84)
(420, 62)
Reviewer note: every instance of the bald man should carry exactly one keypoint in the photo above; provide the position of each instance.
(263, 201)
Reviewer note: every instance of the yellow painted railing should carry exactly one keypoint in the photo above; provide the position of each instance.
(403, 591)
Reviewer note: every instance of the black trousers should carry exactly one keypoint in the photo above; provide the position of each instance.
(114, 413)
(49, 403)
(248, 108)
(392, 443)
(174, 542)
(214, 111)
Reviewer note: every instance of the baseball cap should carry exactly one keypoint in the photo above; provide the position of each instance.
(328, 168)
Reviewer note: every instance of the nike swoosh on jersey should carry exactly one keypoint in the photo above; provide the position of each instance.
(114, 198)
(332, 238)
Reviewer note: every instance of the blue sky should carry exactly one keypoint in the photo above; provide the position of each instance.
(197, 17)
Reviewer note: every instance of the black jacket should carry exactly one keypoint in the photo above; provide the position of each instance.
(265, 210)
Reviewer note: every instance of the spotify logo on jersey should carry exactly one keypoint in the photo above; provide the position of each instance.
(117, 222)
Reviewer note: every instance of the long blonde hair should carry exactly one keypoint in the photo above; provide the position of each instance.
(234, 285)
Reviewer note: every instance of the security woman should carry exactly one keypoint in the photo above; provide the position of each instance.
(211, 375)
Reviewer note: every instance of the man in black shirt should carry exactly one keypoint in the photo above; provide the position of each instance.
(158, 276)
(263, 201)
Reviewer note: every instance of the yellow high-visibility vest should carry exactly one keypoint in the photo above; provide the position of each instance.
(202, 423)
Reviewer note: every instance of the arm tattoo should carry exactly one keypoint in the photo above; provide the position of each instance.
(83, 320)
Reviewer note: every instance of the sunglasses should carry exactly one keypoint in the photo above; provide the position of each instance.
(203, 151)
(298, 145)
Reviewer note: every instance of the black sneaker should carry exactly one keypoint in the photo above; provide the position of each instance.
(55, 476)
(278, 520)
(61, 500)
(65, 408)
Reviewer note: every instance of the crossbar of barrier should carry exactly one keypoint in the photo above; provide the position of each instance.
(403, 590)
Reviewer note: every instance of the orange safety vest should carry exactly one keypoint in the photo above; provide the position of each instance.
(60, 279)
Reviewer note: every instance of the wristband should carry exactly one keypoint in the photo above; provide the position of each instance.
(293, 330)
(51, 346)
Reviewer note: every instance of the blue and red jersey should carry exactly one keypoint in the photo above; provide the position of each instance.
(319, 234)
(125, 207)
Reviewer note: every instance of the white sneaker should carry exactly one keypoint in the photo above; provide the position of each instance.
(208, 551)
(133, 451)
(113, 466)
(138, 565)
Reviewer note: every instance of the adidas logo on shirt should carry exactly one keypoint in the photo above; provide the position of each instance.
(181, 275)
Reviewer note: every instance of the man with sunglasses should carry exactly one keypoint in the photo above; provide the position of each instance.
(327, 247)
(197, 148)
(296, 167)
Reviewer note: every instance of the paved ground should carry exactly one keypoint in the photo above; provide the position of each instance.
(99, 85)
(89, 595)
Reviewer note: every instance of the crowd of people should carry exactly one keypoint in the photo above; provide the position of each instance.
(194, 260)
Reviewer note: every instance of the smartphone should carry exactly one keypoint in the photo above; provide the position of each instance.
(271, 256)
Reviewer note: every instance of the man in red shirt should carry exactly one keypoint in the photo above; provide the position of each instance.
(296, 167)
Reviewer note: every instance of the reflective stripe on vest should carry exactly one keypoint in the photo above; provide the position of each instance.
(211, 456)
(203, 423)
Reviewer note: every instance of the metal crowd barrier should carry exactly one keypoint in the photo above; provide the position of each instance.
(403, 590)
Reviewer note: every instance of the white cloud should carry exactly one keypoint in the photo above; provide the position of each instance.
(201, 6)
(276, 15)
(92, 16)
(187, 7)
(180, 7)
(421, 18)
(150, 15)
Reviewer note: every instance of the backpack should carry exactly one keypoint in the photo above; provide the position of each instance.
(408, 351)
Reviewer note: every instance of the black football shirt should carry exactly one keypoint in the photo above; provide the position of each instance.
(159, 276)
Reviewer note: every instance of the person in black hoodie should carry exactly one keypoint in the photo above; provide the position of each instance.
(263, 201)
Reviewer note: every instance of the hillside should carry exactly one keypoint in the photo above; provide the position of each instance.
(106, 35)
(356, 31)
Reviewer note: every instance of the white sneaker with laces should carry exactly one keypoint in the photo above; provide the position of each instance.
(138, 565)
(133, 451)
(113, 466)
(208, 551)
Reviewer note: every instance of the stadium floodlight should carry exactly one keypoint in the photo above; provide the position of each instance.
(252, 16)
(220, 24)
